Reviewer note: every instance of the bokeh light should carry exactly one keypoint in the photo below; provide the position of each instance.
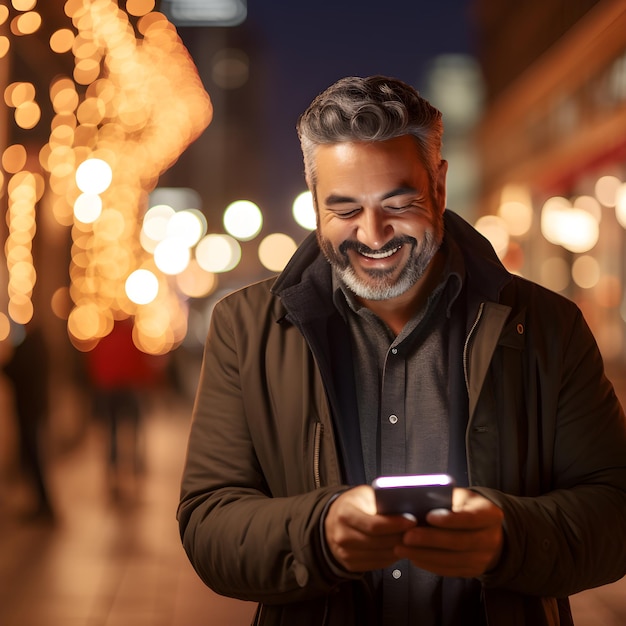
(586, 271)
(94, 176)
(516, 209)
(218, 253)
(620, 204)
(606, 190)
(576, 229)
(14, 158)
(589, 204)
(186, 226)
(275, 251)
(172, 255)
(243, 220)
(142, 286)
(88, 207)
(494, 228)
(195, 282)
(553, 214)
(62, 40)
(580, 231)
(303, 211)
(155, 221)
(555, 273)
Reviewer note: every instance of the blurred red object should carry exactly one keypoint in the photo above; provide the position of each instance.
(116, 362)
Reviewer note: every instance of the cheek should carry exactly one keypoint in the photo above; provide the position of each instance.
(418, 228)
(334, 231)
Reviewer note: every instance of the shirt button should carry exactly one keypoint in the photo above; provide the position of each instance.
(393, 419)
(394, 350)
(396, 573)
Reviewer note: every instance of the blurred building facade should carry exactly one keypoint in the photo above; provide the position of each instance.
(552, 148)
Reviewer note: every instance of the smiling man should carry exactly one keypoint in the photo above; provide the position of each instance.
(379, 225)
(395, 343)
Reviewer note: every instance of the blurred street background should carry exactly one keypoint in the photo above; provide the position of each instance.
(149, 165)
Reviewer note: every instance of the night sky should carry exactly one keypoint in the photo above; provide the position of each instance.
(308, 45)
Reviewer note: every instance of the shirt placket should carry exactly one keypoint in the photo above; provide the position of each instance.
(392, 462)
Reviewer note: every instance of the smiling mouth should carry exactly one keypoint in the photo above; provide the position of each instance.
(381, 254)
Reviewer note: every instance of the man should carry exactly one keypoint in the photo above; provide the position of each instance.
(395, 342)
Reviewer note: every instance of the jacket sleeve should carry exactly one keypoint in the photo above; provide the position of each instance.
(573, 536)
(244, 540)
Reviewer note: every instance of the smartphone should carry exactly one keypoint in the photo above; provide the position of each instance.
(415, 494)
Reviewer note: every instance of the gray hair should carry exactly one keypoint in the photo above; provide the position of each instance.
(376, 108)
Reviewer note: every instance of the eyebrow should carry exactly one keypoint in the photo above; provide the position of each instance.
(334, 199)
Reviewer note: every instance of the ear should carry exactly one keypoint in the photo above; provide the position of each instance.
(440, 185)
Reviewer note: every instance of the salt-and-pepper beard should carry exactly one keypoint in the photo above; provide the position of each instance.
(382, 286)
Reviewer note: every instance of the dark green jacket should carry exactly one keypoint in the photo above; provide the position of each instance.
(274, 431)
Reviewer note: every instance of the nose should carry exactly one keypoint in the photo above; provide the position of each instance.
(373, 229)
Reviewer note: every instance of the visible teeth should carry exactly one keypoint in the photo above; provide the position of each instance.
(380, 255)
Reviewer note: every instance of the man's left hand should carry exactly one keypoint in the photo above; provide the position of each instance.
(465, 542)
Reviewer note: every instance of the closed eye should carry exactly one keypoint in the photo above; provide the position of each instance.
(345, 213)
(414, 204)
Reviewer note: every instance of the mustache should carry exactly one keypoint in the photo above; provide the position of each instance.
(392, 244)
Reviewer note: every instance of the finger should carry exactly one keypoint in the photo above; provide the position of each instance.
(360, 541)
(477, 549)
(474, 513)
(373, 525)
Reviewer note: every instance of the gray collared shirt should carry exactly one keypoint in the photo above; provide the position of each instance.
(402, 391)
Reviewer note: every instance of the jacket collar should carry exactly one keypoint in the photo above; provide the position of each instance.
(483, 268)
(305, 285)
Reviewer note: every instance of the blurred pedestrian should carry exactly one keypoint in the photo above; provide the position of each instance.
(28, 370)
(120, 374)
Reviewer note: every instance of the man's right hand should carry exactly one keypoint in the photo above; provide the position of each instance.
(358, 538)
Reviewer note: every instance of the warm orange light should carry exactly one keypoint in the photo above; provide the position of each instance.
(24, 5)
(86, 48)
(65, 100)
(139, 7)
(19, 93)
(5, 45)
(27, 115)
(86, 71)
(61, 135)
(134, 101)
(26, 24)
(20, 309)
(91, 111)
(14, 158)
(62, 40)
(61, 303)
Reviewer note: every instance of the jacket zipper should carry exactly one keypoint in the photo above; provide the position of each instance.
(317, 444)
(467, 341)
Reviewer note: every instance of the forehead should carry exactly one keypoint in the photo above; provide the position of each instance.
(391, 161)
